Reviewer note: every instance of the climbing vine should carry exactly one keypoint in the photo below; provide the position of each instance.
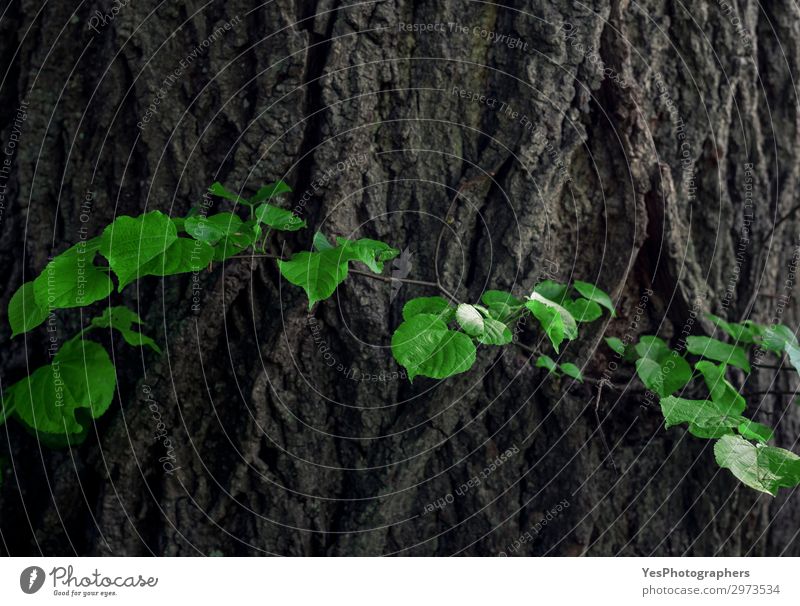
(439, 336)
(741, 443)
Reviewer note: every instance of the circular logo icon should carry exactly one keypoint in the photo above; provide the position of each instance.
(31, 579)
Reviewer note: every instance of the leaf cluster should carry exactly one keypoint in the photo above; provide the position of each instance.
(741, 443)
(58, 400)
(438, 339)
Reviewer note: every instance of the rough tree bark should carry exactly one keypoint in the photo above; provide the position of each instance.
(658, 132)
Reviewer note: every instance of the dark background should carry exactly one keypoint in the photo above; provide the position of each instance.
(634, 175)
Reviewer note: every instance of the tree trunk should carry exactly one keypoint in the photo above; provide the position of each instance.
(650, 147)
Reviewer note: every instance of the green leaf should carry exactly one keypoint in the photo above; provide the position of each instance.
(428, 305)
(583, 310)
(221, 191)
(212, 229)
(616, 344)
(777, 337)
(738, 332)
(279, 218)
(183, 256)
(715, 349)
(501, 312)
(236, 242)
(469, 319)
(666, 376)
(495, 333)
(492, 297)
(557, 322)
(270, 191)
(571, 370)
(80, 377)
(130, 242)
(764, 468)
(483, 310)
(24, 313)
(122, 319)
(794, 355)
(591, 292)
(653, 348)
(318, 273)
(71, 280)
(547, 362)
(552, 322)
(371, 253)
(246, 235)
(712, 432)
(425, 346)
(755, 431)
(554, 291)
(758, 330)
(626, 350)
(721, 390)
(703, 414)
(321, 242)
(501, 304)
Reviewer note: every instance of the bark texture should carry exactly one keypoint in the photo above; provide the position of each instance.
(659, 131)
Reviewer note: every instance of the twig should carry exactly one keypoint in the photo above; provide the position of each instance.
(606, 383)
(438, 284)
(531, 350)
(600, 383)
(789, 214)
(366, 274)
(257, 256)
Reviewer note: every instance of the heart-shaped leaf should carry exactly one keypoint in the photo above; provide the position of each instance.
(425, 346)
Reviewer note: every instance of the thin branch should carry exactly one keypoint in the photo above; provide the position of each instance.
(257, 256)
(531, 350)
(366, 274)
(590, 380)
(634, 385)
(602, 382)
(448, 294)
(788, 215)
(438, 284)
